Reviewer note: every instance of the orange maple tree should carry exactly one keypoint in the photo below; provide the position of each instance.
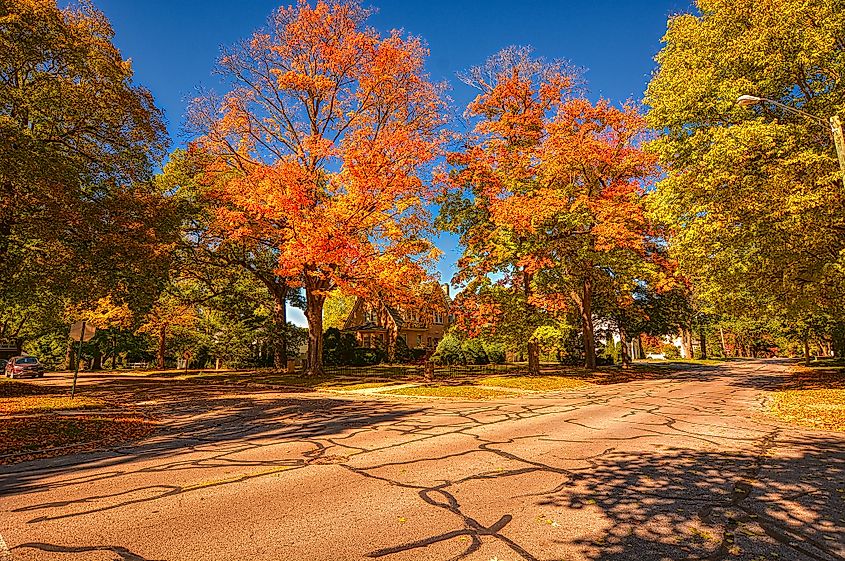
(557, 186)
(319, 151)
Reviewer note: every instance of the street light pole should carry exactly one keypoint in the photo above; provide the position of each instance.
(834, 124)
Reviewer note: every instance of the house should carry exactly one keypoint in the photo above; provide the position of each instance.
(10, 348)
(375, 323)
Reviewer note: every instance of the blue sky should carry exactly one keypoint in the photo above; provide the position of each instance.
(174, 44)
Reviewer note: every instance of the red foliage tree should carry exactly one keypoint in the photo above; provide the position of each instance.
(319, 149)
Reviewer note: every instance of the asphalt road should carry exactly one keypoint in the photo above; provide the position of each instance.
(677, 468)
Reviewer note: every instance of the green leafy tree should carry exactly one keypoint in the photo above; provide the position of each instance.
(337, 309)
(753, 196)
(79, 142)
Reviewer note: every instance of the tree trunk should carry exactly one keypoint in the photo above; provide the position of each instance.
(640, 353)
(113, 351)
(586, 308)
(280, 327)
(702, 341)
(722, 339)
(686, 343)
(806, 352)
(315, 297)
(625, 354)
(162, 346)
(533, 357)
(70, 356)
(97, 360)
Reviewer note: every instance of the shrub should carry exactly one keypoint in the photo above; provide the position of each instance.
(670, 351)
(448, 351)
(338, 348)
(495, 352)
(401, 353)
(611, 353)
(368, 357)
(473, 351)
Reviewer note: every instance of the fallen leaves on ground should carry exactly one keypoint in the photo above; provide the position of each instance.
(28, 438)
(816, 408)
(12, 388)
(469, 392)
(814, 397)
(41, 403)
(351, 387)
(535, 383)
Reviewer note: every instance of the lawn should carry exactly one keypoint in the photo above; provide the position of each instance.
(45, 436)
(535, 383)
(46, 403)
(12, 388)
(819, 409)
(814, 397)
(463, 392)
(41, 421)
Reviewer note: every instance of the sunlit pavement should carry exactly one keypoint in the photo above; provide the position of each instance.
(684, 467)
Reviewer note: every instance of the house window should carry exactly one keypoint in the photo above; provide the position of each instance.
(438, 318)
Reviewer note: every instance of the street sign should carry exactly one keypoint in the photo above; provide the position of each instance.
(82, 331)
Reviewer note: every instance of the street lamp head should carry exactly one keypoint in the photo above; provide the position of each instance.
(746, 100)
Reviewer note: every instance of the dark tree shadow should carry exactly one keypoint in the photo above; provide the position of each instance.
(122, 553)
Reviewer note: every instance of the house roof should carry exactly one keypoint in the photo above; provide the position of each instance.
(394, 314)
(369, 326)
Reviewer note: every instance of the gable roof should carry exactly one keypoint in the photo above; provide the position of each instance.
(393, 313)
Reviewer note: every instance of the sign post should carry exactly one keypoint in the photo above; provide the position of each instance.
(80, 332)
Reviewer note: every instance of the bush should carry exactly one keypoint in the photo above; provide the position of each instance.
(338, 348)
(368, 357)
(473, 352)
(610, 354)
(495, 352)
(670, 351)
(448, 351)
(401, 353)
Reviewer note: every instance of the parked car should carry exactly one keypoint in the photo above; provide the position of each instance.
(20, 366)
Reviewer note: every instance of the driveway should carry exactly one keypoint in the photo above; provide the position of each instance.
(676, 468)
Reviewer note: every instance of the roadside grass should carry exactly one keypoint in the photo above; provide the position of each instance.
(464, 392)
(686, 361)
(32, 424)
(535, 383)
(819, 409)
(47, 403)
(256, 377)
(47, 436)
(13, 388)
(814, 397)
(336, 386)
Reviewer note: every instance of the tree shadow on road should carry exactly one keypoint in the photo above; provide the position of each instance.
(227, 427)
(713, 505)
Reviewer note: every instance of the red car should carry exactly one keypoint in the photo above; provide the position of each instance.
(20, 366)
